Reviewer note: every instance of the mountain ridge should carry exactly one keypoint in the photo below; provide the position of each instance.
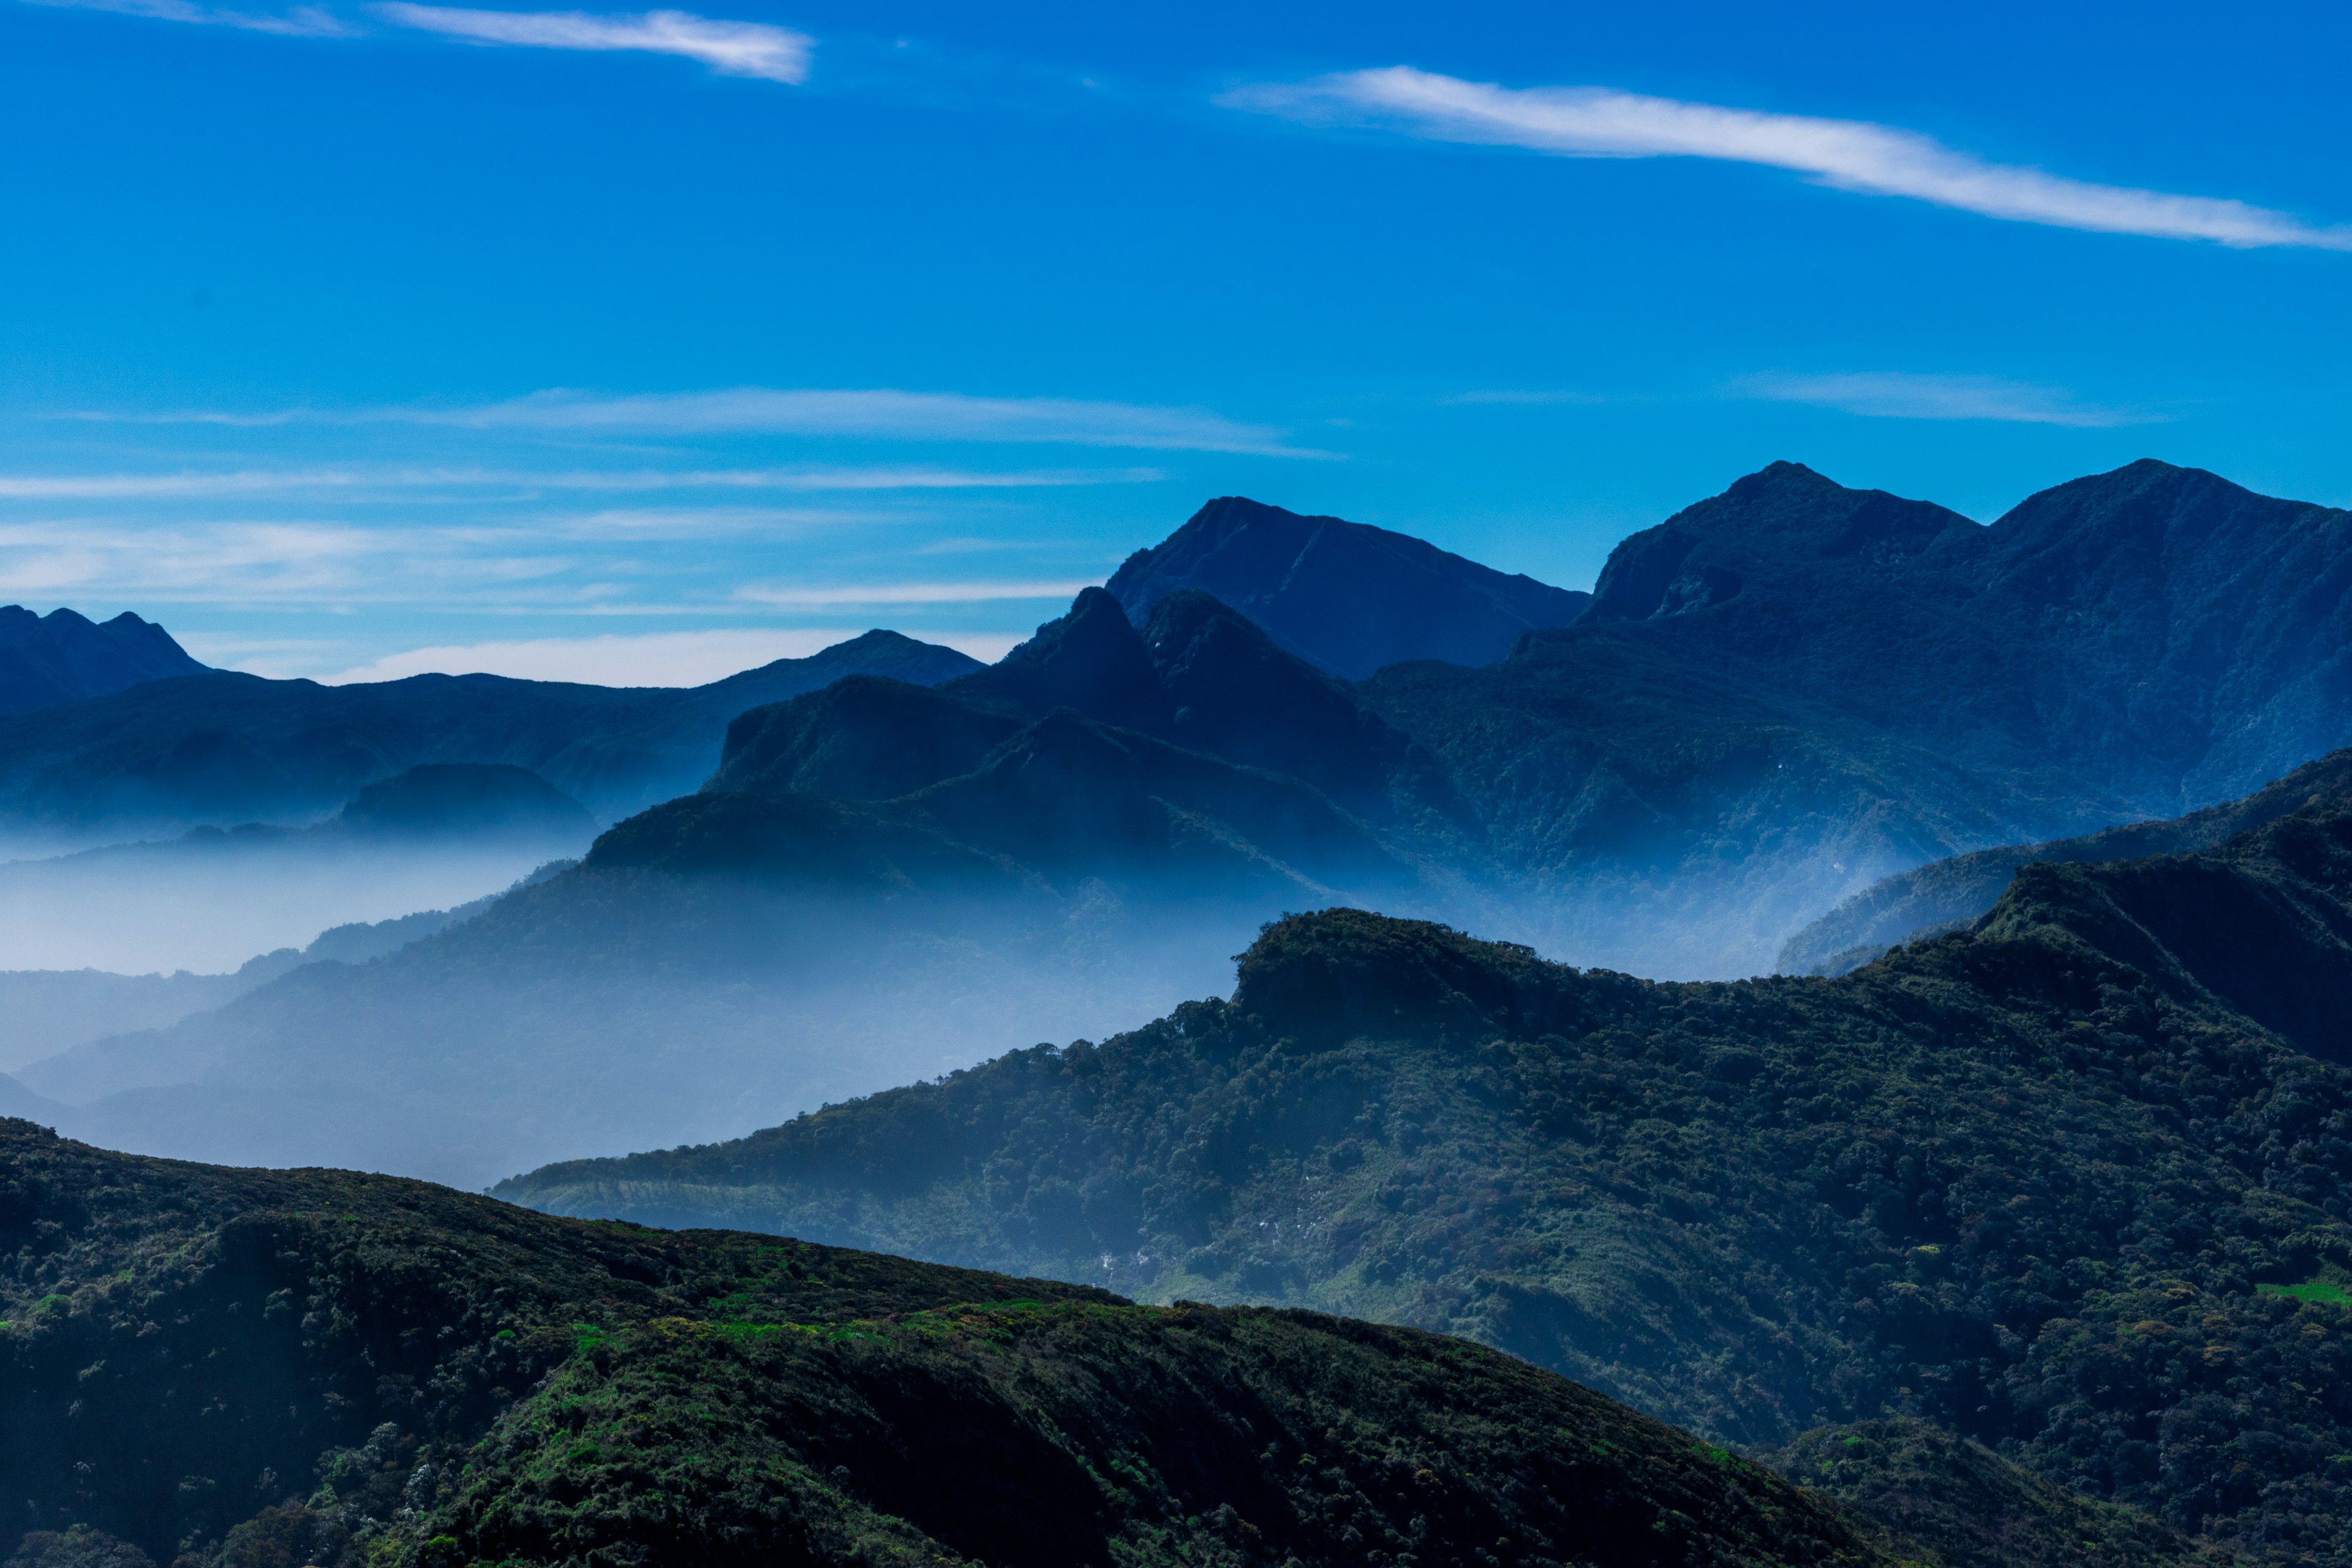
(2052, 1184)
(1346, 597)
(64, 656)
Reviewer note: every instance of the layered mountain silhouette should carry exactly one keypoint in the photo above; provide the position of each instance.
(221, 747)
(878, 880)
(2068, 1184)
(63, 657)
(1346, 597)
(344, 1370)
(1947, 895)
(1792, 689)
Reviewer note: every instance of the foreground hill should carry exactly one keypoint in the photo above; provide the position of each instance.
(1346, 598)
(1948, 894)
(228, 1367)
(2070, 1184)
(63, 657)
(221, 747)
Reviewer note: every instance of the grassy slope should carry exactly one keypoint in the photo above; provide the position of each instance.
(2003, 1181)
(254, 1367)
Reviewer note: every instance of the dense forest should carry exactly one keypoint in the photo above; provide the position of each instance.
(208, 1367)
(2068, 1184)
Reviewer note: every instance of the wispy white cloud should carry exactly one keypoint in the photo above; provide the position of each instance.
(300, 563)
(885, 414)
(1897, 394)
(299, 21)
(732, 48)
(190, 485)
(797, 598)
(1850, 154)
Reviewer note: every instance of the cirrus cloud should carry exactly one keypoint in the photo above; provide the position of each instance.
(1849, 154)
(730, 48)
(879, 413)
(1899, 394)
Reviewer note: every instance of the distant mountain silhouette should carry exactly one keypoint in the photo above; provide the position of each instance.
(222, 747)
(63, 657)
(1794, 689)
(1346, 597)
(1946, 895)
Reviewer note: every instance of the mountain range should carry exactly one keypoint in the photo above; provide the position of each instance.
(220, 747)
(2069, 1183)
(63, 657)
(881, 881)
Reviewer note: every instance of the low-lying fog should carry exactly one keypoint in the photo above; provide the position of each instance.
(208, 905)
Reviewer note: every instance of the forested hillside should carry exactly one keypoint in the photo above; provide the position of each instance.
(2070, 1184)
(216, 1368)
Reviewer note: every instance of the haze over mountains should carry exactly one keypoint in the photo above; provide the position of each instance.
(2027, 1239)
(219, 747)
(2063, 1184)
(883, 879)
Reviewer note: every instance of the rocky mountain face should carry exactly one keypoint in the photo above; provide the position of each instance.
(2068, 1184)
(218, 747)
(63, 657)
(1346, 598)
(206, 1365)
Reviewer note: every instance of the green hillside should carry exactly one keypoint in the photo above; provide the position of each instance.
(2049, 1185)
(221, 1368)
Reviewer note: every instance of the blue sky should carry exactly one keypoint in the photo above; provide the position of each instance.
(372, 338)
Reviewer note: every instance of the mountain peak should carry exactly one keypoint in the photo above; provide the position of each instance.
(1347, 597)
(64, 656)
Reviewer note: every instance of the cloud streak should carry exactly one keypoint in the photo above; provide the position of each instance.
(1896, 395)
(886, 413)
(302, 22)
(730, 48)
(268, 482)
(1848, 154)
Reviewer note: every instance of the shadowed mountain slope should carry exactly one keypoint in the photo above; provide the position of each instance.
(2056, 1185)
(347, 1369)
(63, 657)
(1345, 598)
(1947, 894)
(222, 747)
(1790, 690)
(1957, 1502)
